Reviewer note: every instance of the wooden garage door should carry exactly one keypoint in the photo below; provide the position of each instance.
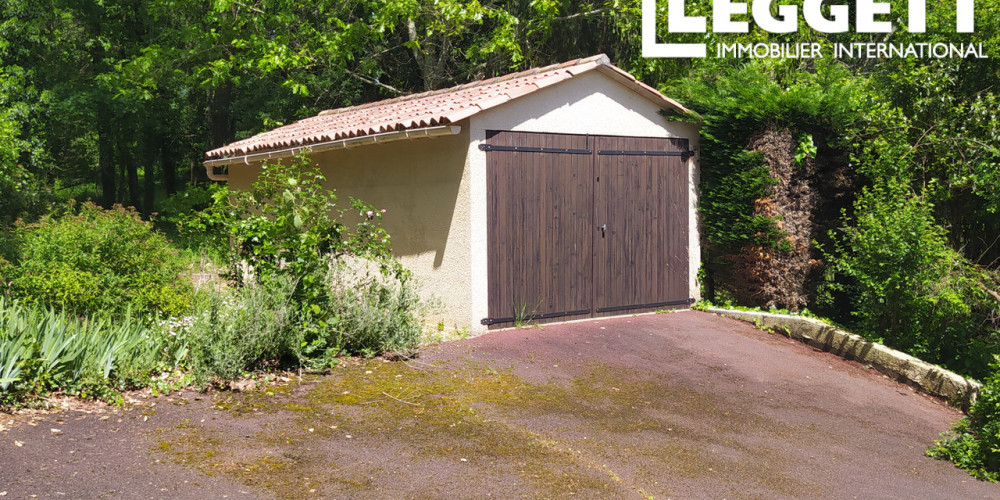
(640, 201)
(581, 226)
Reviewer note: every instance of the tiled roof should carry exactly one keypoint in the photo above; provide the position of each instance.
(429, 109)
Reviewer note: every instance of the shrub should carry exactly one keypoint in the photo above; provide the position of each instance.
(909, 289)
(373, 311)
(191, 232)
(239, 330)
(974, 441)
(287, 228)
(98, 261)
(289, 223)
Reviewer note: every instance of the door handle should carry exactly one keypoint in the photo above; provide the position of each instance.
(603, 228)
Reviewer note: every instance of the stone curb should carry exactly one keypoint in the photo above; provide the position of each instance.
(900, 366)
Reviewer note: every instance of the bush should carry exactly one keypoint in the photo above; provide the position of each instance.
(98, 261)
(245, 329)
(43, 350)
(974, 441)
(373, 311)
(908, 288)
(288, 223)
(175, 215)
(771, 145)
(287, 228)
(260, 325)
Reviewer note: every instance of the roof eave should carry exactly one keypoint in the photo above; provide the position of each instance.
(642, 89)
(397, 135)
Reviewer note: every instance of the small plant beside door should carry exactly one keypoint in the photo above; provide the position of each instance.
(523, 316)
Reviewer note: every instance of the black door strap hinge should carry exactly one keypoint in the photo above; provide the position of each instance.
(525, 149)
(685, 155)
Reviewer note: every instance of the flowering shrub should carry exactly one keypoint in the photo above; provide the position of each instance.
(289, 222)
(288, 227)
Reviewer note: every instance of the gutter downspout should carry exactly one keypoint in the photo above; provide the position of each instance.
(212, 176)
(325, 146)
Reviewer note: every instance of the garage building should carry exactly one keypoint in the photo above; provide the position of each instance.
(558, 193)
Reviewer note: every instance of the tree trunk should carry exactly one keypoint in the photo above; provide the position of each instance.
(130, 169)
(151, 148)
(122, 177)
(431, 56)
(219, 124)
(105, 156)
(219, 119)
(168, 164)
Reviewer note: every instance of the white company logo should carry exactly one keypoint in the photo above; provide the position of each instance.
(866, 20)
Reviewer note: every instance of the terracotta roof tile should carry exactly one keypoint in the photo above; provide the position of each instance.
(428, 109)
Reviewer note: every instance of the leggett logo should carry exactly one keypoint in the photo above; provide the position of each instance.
(866, 15)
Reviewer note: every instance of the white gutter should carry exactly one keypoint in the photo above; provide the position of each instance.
(324, 146)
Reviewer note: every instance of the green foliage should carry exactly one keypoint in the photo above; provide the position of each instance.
(232, 332)
(175, 208)
(98, 261)
(727, 204)
(373, 311)
(288, 223)
(22, 192)
(741, 103)
(910, 290)
(935, 128)
(135, 91)
(737, 102)
(201, 234)
(287, 228)
(974, 441)
(144, 88)
(261, 325)
(805, 149)
(749, 93)
(43, 350)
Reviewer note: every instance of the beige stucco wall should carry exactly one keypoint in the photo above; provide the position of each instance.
(592, 103)
(423, 186)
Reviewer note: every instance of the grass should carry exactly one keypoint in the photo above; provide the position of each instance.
(524, 317)
(704, 305)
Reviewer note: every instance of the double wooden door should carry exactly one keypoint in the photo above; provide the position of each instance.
(583, 226)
